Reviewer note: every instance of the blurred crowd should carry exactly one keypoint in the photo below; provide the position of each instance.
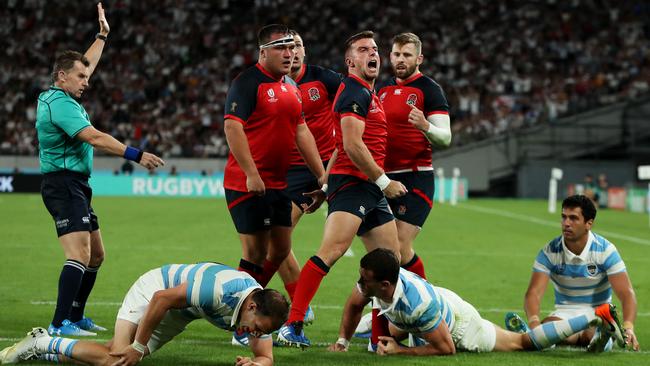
(164, 74)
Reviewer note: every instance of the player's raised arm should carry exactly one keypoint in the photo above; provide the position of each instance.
(95, 51)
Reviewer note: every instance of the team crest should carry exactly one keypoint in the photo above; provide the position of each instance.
(382, 97)
(314, 94)
(271, 94)
(592, 269)
(412, 99)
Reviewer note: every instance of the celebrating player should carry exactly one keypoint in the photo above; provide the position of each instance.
(66, 140)
(263, 123)
(442, 323)
(584, 268)
(418, 118)
(357, 183)
(159, 306)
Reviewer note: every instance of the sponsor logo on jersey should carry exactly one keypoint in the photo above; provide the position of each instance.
(412, 99)
(382, 97)
(62, 223)
(267, 221)
(271, 94)
(283, 88)
(85, 220)
(355, 107)
(397, 92)
(233, 107)
(314, 94)
(592, 269)
(362, 210)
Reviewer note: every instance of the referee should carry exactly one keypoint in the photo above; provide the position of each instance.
(66, 140)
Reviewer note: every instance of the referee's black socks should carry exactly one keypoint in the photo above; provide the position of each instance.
(69, 284)
(79, 303)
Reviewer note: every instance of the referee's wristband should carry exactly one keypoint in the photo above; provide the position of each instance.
(133, 154)
(101, 36)
(382, 182)
(343, 342)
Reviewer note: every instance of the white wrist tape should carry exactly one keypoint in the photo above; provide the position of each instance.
(382, 182)
(324, 188)
(343, 342)
(139, 347)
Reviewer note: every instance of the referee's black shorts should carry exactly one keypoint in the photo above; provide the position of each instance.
(67, 197)
(415, 205)
(359, 197)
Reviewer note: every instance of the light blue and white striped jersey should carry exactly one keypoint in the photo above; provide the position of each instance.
(215, 291)
(417, 306)
(580, 279)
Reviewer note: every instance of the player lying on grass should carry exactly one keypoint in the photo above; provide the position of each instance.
(159, 306)
(441, 322)
(584, 268)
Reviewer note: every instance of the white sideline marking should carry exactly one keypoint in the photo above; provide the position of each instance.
(555, 224)
(321, 306)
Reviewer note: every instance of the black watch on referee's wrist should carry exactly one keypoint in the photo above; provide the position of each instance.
(100, 36)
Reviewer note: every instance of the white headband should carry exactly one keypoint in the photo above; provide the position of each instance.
(288, 39)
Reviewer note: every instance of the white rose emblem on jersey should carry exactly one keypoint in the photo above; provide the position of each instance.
(382, 97)
(411, 99)
(314, 94)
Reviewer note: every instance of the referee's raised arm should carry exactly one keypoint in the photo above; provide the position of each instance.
(94, 52)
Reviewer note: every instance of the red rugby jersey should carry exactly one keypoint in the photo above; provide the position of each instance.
(355, 98)
(318, 86)
(270, 110)
(408, 148)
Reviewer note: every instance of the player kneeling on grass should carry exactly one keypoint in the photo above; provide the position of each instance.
(440, 321)
(159, 306)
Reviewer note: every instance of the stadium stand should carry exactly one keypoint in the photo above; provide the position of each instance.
(162, 81)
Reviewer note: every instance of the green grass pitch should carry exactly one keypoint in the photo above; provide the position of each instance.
(481, 249)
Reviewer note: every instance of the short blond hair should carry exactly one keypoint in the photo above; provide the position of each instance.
(406, 38)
